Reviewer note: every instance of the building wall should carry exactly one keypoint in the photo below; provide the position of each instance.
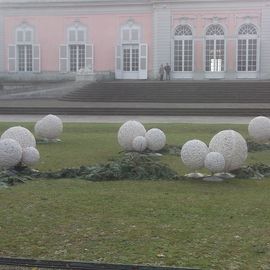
(2, 47)
(103, 31)
(230, 21)
(265, 43)
(158, 21)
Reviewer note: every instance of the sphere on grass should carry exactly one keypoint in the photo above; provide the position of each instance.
(259, 129)
(10, 153)
(20, 134)
(128, 132)
(37, 129)
(214, 162)
(49, 127)
(139, 144)
(156, 139)
(232, 146)
(30, 156)
(193, 154)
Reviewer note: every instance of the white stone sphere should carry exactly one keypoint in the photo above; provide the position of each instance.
(49, 127)
(128, 132)
(193, 154)
(139, 144)
(37, 129)
(232, 146)
(20, 134)
(259, 129)
(10, 153)
(214, 162)
(156, 139)
(30, 156)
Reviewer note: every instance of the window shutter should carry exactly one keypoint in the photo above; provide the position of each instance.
(143, 56)
(143, 60)
(12, 58)
(118, 62)
(36, 58)
(63, 58)
(89, 57)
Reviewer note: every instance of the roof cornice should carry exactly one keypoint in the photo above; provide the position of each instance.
(24, 4)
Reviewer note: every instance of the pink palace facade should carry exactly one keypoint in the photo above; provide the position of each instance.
(130, 39)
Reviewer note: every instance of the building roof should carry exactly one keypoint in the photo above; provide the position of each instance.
(58, 3)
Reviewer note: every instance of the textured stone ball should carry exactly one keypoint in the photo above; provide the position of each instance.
(259, 129)
(10, 153)
(232, 146)
(193, 154)
(49, 127)
(128, 132)
(214, 162)
(37, 129)
(20, 134)
(139, 144)
(30, 156)
(156, 139)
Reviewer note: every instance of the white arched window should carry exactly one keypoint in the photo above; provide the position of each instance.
(214, 48)
(24, 55)
(183, 48)
(247, 48)
(131, 54)
(76, 54)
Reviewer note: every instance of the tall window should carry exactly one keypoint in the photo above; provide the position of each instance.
(76, 53)
(130, 54)
(76, 48)
(25, 58)
(24, 54)
(131, 57)
(24, 41)
(130, 38)
(214, 48)
(183, 48)
(247, 46)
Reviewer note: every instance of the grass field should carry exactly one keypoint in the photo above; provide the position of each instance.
(180, 223)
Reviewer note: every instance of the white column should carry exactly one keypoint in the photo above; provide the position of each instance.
(264, 65)
(2, 58)
(162, 37)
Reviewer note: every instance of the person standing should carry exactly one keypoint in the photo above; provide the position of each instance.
(168, 71)
(161, 72)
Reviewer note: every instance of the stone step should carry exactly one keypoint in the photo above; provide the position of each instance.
(137, 111)
(173, 92)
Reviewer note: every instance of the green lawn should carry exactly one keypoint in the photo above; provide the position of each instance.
(180, 223)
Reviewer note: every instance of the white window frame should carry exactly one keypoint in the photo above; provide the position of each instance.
(25, 57)
(129, 27)
(64, 61)
(76, 28)
(215, 38)
(77, 60)
(215, 74)
(247, 73)
(182, 38)
(24, 28)
(141, 73)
